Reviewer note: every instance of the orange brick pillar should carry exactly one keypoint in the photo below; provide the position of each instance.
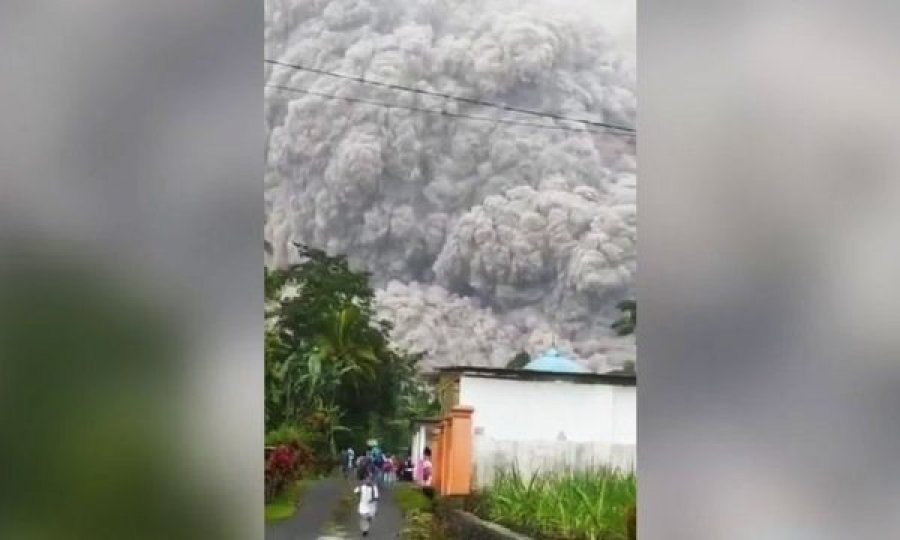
(458, 480)
(445, 444)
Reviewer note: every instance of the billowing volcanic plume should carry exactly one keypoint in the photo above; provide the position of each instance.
(484, 238)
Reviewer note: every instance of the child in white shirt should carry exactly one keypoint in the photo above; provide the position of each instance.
(368, 502)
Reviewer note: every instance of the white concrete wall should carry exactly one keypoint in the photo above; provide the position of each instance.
(549, 424)
(534, 456)
(625, 417)
(419, 442)
(520, 410)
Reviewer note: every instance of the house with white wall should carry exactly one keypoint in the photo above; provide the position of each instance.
(552, 413)
(421, 435)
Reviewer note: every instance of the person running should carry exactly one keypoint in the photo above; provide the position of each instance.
(368, 501)
(388, 471)
(362, 463)
(378, 464)
(397, 465)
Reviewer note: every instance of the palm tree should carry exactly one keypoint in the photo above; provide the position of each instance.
(345, 347)
(344, 352)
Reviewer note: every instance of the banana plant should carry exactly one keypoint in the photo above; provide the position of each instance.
(330, 416)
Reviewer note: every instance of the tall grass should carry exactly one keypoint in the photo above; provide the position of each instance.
(564, 504)
(411, 499)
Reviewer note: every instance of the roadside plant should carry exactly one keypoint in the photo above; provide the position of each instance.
(418, 525)
(281, 468)
(566, 504)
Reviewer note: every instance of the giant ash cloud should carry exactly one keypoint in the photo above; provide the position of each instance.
(498, 237)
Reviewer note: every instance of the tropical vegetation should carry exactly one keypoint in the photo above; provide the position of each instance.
(332, 376)
(284, 504)
(595, 504)
(626, 324)
(419, 521)
(519, 361)
(410, 498)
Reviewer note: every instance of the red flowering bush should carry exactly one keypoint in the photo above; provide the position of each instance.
(281, 468)
(297, 438)
(310, 456)
(283, 458)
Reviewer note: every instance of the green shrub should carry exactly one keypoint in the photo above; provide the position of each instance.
(631, 522)
(419, 525)
(576, 505)
(411, 499)
(288, 434)
(315, 458)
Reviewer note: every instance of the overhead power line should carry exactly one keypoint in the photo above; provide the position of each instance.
(470, 101)
(445, 113)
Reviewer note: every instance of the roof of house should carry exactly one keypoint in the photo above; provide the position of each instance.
(554, 361)
(617, 378)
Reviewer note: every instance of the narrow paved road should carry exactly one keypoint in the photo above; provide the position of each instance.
(317, 510)
(387, 523)
(314, 512)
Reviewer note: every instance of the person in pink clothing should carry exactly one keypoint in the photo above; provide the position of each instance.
(417, 471)
(389, 471)
(427, 474)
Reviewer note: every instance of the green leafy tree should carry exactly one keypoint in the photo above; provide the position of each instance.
(348, 346)
(319, 335)
(519, 361)
(626, 325)
(329, 361)
(627, 321)
(415, 398)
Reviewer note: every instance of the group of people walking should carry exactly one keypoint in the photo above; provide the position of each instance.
(374, 470)
(384, 469)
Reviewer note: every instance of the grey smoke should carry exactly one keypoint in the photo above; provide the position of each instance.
(456, 330)
(484, 238)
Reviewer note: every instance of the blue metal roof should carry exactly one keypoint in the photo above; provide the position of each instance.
(553, 360)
